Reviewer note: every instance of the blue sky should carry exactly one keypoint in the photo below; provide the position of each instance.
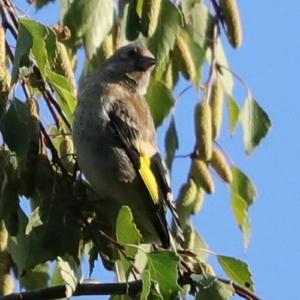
(269, 62)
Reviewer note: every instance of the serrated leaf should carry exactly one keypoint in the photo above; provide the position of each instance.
(237, 270)
(16, 127)
(243, 195)
(41, 3)
(171, 142)
(243, 186)
(60, 232)
(163, 267)
(70, 272)
(255, 122)
(126, 230)
(240, 209)
(186, 6)
(93, 256)
(36, 278)
(150, 288)
(200, 24)
(65, 91)
(89, 22)
(21, 57)
(34, 221)
(146, 278)
(9, 198)
(56, 278)
(234, 113)
(169, 24)
(200, 27)
(199, 246)
(38, 34)
(225, 75)
(160, 100)
(133, 26)
(36, 43)
(213, 289)
(140, 260)
(127, 233)
(19, 245)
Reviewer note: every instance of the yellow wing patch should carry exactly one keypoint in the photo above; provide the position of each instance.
(149, 178)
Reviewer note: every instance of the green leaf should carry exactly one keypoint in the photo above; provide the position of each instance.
(243, 186)
(19, 245)
(212, 289)
(200, 27)
(186, 6)
(89, 22)
(163, 267)
(140, 259)
(255, 122)
(36, 42)
(61, 230)
(146, 278)
(127, 233)
(237, 270)
(65, 91)
(41, 3)
(70, 272)
(36, 278)
(9, 198)
(34, 221)
(56, 278)
(234, 113)
(150, 288)
(224, 73)
(16, 127)
(171, 142)
(160, 100)
(126, 230)
(243, 195)
(38, 34)
(200, 24)
(240, 209)
(93, 256)
(21, 58)
(133, 25)
(60, 233)
(169, 24)
(200, 246)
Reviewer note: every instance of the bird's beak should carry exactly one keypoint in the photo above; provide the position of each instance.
(146, 62)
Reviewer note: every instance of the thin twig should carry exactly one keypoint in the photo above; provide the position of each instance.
(242, 81)
(49, 97)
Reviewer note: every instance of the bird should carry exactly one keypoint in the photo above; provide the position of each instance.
(115, 140)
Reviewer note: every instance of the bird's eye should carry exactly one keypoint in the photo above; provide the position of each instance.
(132, 52)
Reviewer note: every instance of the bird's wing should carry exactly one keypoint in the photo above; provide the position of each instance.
(125, 127)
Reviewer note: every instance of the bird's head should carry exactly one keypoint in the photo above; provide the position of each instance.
(132, 65)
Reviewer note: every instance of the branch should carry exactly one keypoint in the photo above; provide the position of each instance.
(87, 289)
(130, 288)
(239, 290)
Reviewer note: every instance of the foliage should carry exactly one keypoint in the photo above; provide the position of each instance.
(38, 163)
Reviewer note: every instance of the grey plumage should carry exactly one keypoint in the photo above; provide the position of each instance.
(113, 128)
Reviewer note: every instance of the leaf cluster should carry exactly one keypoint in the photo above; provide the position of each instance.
(38, 166)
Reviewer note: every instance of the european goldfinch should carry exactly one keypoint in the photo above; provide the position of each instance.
(115, 138)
